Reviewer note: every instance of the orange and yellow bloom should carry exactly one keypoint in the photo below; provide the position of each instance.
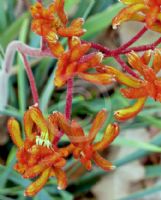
(147, 11)
(36, 155)
(75, 61)
(148, 85)
(84, 147)
(51, 23)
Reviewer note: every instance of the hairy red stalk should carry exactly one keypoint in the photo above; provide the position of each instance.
(101, 48)
(69, 96)
(130, 42)
(22, 48)
(68, 108)
(125, 66)
(31, 79)
(143, 47)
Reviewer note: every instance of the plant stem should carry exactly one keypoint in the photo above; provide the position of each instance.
(22, 48)
(143, 47)
(69, 97)
(68, 108)
(31, 79)
(130, 42)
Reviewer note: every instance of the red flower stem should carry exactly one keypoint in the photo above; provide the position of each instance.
(125, 66)
(43, 44)
(101, 48)
(68, 108)
(108, 53)
(31, 79)
(69, 97)
(143, 47)
(130, 42)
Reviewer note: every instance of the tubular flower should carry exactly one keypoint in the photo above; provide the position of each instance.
(51, 22)
(148, 85)
(147, 11)
(83, 147)
(75, 62)
(36, 155)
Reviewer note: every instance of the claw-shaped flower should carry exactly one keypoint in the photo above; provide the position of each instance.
(37, 156)
(148, 85)
(84, 147)
(147, 11)
(75, 62)
(51, 23)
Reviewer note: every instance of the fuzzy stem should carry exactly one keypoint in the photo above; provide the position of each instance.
(130, 42)
(143, 47)
(31, 79)
(69, 97)
(68, 108)
(22, 48)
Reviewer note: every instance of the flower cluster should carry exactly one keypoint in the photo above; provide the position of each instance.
(51, 23)
(146, 11)
(38, 155)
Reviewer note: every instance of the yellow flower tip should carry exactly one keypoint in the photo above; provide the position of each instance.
(113, 167)
(115, 26)
(131, 111)
(82, 19)
(84, 30)
(36, 105)
(158, 51)
(101, 56)
(122, 116)
(59, 188)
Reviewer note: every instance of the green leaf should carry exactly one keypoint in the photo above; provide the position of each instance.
(3, 17)
(12, 31)
(139, 153)
(21, 70)
(84, 8)
(47, 92)
(122, 141)
(150, 120)
(66, 195)
(11, 112)
(98, 22)
(6, 173)
(70, 3)
(152, 171)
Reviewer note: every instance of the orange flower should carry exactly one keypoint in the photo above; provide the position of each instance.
(51, 23)
(75, 62)
(148, 85)
(83, 147)
(37, 156)
(147, 11)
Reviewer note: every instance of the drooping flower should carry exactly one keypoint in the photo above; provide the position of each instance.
(36, 155)
(51, 22)
(84, 147)
(75, 61)
(148, 85)
(147, 11)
